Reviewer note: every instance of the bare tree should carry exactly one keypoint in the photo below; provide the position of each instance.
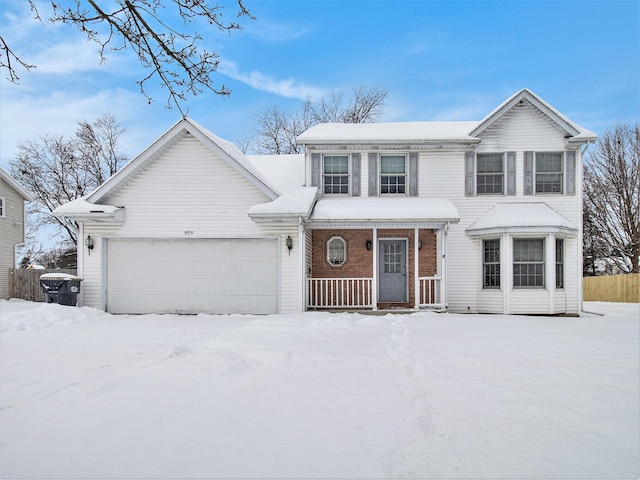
(57, 170)
(277, 130)
(612, 198)
(160, 33)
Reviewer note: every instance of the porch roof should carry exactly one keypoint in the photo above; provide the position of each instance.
(521, 218)
(418, 211)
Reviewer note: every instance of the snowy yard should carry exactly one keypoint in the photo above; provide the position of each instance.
(88, 395)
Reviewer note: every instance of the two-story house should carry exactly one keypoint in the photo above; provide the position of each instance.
(12, 226)
(474, 216)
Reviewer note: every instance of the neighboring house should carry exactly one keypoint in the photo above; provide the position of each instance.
(466, 216)
(12, 226)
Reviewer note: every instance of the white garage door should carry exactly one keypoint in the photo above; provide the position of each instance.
(192, 276)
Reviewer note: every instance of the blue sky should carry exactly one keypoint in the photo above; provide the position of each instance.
(439, 60)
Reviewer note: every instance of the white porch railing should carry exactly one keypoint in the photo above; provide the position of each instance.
(430, 291)
(339, 293)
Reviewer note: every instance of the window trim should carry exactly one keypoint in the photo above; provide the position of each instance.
(405, 174)
(542, 262)
(562, 172)
(323, 175)
(3, 207)
(337, 238)
(485, 275)
(503, 175)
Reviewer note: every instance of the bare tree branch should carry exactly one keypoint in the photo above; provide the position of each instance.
(277, 130)
(612, 198)
(173, 55)
(57, 170)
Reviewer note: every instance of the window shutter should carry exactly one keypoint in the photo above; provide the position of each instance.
(528, 173)
(469, 168)
(511, 173)
(413, 174)
(315, 169)
(355, 174)
(373, 174)
(571, 173)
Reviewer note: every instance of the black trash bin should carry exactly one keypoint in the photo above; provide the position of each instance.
(61, 288)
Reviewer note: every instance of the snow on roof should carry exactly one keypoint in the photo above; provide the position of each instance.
(81, 209)
(385, 209)
(388, 132)
(286, 173)
(283, 171)
(290, 206)
(521, 217)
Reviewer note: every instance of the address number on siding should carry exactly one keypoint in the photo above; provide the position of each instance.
(188, 232)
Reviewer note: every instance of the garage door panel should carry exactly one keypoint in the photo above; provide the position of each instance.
(192, 275)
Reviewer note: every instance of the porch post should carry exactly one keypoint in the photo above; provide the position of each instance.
(416, 276)
(374, 283)
(443, 286)
(302, 255)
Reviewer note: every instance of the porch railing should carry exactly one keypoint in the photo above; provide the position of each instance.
(430, 291)
(339, 293)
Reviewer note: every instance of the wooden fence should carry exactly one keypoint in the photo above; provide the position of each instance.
(25, 283)
(612, 288)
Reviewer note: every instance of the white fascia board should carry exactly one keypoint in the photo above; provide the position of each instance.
(483, 232)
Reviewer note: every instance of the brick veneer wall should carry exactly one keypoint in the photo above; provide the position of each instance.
(359, 260)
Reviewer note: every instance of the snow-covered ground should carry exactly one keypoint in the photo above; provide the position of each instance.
(85, 394)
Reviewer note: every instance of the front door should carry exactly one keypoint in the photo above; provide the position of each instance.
(392, 271)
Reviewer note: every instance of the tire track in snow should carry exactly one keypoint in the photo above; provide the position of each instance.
(424, 440)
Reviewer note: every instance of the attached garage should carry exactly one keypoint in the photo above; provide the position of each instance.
(158, 275)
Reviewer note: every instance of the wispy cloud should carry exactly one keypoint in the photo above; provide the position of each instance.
(288, 88)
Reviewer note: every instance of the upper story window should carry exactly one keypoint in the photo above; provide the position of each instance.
(549, 172)
(335, 174)
(490, 174)
(336, 251)
(393, 174)
(2, 207)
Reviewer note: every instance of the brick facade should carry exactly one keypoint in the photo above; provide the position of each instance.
(359, 261)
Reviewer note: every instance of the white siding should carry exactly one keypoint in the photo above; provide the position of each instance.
(11, 232)
(442, 175)
(189, 193)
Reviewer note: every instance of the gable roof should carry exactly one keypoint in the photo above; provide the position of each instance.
(571, 129)
(438, 134)
(220, 147)
(15, 185)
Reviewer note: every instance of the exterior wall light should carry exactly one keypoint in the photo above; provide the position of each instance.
(289, 243)
(89, 243)
(369, 245)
